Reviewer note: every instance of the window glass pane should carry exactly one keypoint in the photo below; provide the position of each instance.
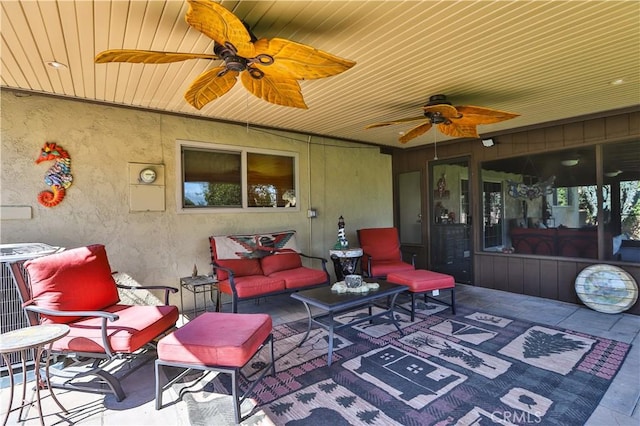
(550, 205)
(270, 180)
(621, 165)
(211, 178)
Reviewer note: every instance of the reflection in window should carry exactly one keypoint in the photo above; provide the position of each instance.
(215, 177)
(270, 180)
(551, 209)
(562, 197)
(211, 178)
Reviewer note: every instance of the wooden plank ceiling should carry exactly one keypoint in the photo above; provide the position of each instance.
(544, 60)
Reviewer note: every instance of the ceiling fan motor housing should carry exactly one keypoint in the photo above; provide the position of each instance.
(436, 118)
(438, 100)
(231, 60)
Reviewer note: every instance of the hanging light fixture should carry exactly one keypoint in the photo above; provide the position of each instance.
(570, 162)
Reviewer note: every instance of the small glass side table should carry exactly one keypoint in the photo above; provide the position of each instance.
(200, 284)
(23, 340)
(345, 261)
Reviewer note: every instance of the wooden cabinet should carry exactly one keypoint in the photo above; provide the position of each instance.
(451, 250)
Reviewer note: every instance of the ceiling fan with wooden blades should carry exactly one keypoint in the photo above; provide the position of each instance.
(269, 69)
(459, 122)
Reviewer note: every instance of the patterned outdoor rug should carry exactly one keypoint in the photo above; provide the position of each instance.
(471, 368)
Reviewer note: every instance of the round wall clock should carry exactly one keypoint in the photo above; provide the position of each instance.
(148, 175)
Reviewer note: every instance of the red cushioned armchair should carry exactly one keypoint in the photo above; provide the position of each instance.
(76, 287)
(381, 252)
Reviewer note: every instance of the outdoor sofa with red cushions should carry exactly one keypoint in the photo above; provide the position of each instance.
(258, 265)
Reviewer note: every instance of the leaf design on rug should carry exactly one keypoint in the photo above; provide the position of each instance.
(420, 341)
(305, 398)
(446, 350)
(527, 400)
(538, 344)
(346, 401)
(281, 408)
(328, 387)
(368, 416)
(467, 357)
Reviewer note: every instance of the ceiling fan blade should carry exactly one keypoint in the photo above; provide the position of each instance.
(299, 61)
(480, 115)
(401, 121)
(444, 110)
(415, 132)
(147, 56)
(457, 130)
(209, 86)
(278, 90)
(220, 25)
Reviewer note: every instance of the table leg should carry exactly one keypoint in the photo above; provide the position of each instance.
(195, 303)
(330, 330)
(308, 326)
(11, 384)
(391, 313)
(48, 380)
(23, 401)
(181, 299)
(38, 351)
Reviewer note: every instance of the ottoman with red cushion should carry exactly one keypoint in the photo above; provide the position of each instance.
(215, 341)
(421, 281)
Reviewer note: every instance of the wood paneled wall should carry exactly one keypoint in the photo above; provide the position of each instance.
(551, 278)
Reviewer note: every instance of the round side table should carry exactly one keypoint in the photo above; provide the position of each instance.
(345, 261)
(25, 339)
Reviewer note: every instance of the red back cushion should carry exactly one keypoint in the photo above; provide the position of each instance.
(280, 262)
(240, 267)
(75, 280)
(380, 243)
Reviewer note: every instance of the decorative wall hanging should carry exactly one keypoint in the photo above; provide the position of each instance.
(441, 191)
(58, 177)
(520, 191)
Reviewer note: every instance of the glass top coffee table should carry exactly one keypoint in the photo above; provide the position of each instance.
(332, 303)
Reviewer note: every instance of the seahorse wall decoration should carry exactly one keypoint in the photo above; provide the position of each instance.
(58, 177)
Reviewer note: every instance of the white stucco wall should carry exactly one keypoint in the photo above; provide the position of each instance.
(336, 178)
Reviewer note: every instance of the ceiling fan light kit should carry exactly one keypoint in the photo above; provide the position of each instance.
(268, 69)
(458, 122)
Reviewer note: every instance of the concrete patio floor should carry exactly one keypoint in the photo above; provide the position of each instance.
(618, 407)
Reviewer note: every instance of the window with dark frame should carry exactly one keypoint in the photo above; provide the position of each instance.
(563, 220)
(236, 179)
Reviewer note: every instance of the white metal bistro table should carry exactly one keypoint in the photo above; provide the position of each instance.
(23, 340)
(333, 303)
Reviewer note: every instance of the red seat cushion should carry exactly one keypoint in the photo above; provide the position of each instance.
(386, 267)
(216, 339)
(380, 243)
(252, 286)
(74, 280)
(300, 277)
(136, 326)
(240, 267)
(280, 262)
(421, 280)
